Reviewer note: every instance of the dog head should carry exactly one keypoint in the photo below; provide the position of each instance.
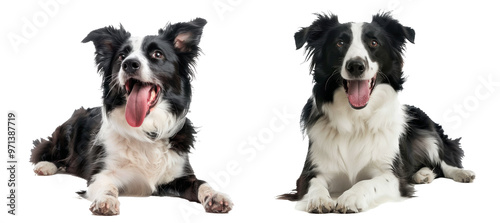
(147, 78)
(355, 56)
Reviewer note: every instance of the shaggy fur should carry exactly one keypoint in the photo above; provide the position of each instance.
(137, 143)
(364, 146)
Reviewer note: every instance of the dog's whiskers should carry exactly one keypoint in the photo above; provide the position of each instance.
(335, 70)
(384, 76)
(115, 83)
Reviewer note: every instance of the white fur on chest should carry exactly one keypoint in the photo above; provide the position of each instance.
(137, 159)
(352, 145)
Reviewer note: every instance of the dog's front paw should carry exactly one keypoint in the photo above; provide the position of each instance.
(217, 203)
(320, 205)
(351, 202)
(107, 205)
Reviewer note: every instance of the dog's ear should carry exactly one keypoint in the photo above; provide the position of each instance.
(185, 36)
(394, 28)
(315, 31)
(106, 40)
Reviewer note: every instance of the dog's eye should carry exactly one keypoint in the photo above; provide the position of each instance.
(340, 43)
(373, 43)
(158, 55)
(121, 57)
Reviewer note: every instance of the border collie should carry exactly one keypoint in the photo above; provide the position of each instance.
(137, 143)
(364, 146)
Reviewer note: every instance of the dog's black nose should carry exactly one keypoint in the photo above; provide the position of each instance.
(131, 65)
(355, 67)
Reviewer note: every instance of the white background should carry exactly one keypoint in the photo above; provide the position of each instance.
(249, 90)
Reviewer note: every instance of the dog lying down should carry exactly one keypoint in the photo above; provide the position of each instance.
(364, 146)
(137, 143)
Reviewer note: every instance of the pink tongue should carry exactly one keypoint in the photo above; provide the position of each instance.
(358, 93)
(137, 104)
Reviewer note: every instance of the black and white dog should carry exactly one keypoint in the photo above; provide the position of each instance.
(138, 142)
(364, 146)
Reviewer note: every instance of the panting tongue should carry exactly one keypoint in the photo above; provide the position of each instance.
(358, 93)
(138, 104)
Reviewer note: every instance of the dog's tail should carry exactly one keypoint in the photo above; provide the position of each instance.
(302, 184)
(82, 194)
(292, 196)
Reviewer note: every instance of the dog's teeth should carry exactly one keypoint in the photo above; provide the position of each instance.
(153, 95)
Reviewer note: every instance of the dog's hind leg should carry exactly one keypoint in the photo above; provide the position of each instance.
(426, 148)
(67, 149)
(457, 174)
(45, 168)
(424, 176)
(46, 154)
(451, 159)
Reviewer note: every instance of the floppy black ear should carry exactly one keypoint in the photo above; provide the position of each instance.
(301, 37)
(315, 31)
(185, 36)
(394, 28)
(106, 40)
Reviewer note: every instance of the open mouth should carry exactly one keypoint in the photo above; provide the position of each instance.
(359, 91)
(142, 97)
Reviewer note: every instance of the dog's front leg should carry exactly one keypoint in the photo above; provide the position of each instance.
(192, 189)
(367, 192)
(214, 201)
(103, 192)
(317, 199)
